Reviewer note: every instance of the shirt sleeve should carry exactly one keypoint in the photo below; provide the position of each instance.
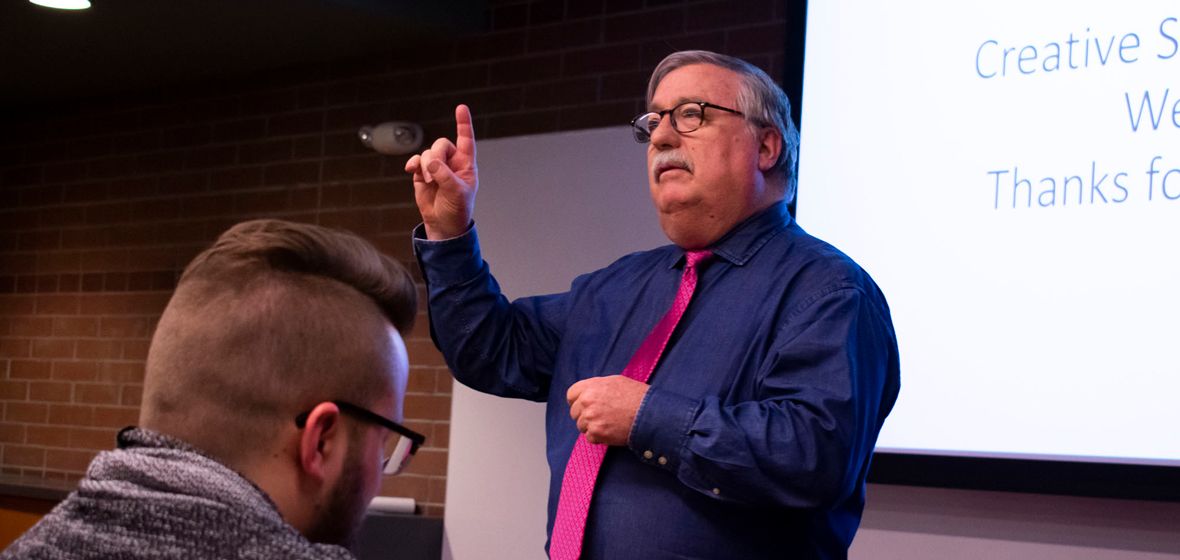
(805, 441)
(491, 345)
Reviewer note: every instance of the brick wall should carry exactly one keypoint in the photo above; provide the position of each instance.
(102, 206)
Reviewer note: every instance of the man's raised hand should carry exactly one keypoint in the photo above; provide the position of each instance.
(446, 180)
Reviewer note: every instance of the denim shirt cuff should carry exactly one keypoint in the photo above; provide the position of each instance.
(448, 262)
(661, 427)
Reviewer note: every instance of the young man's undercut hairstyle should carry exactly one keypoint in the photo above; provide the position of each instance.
(274, 317)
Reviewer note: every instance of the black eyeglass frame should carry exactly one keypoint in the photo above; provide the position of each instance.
(416, 439)
(643, 135)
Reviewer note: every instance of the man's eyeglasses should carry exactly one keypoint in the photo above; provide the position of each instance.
(398, 450)
(686, 117)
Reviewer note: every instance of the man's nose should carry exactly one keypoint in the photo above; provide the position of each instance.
(665, 136)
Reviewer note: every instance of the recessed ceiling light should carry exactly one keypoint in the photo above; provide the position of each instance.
(63, 4)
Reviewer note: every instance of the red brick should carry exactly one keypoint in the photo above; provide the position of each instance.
(441, 436)
(580, 33)
(244, 129)
(90, 261)
(75, 326)
(70, 282)
(86, 238)
(121, 372)
(57, 304)
(95, 393)
(126, 327)
(22, 456)
(33, 413)
(423, 353)
(53, 348)
(155, 210)
(755, 40)
(406, 486)
(491, 45)
(358, 167)
(561, 93)
(537, 122)
(265, 152)
(546, 11)
(309, 147)
(602, 114)
(132, 187)
(124, 304)
(612, 58)
(213, 156)
(52, 391)
(60, 216)
(429, 463)
(111, 167)
(524, 70)
(27, 369)
(31, 326)
(438, 490)
(428, 407)
(292, 173)
(261, 202)
(160, 162)
(50, 436)
(68, 460)
(70, 415)
(115, 417)
(235, 178)
(98, 439)
(186, 136)
(132, 395)
(136, 349)
(99, 349)
(75, 371)
(39, 240)
(85, 192)
(718, 15)
(65, 172)
(41, 195)
(13, 390)
(296, 123)
(12, 433)
(664, 22)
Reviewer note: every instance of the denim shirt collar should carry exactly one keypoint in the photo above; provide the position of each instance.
(745, 239)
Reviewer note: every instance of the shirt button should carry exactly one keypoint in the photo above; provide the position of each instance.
(716, 491)
(663, 460)
(648, 454)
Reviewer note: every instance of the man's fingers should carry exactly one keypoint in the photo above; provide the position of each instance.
(414, 163)
(575, 391)
(442, 149)
(464, 131)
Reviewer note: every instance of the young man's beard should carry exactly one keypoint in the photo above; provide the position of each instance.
(340, 519)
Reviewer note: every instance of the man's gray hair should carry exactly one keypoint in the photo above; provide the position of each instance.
(761, 100)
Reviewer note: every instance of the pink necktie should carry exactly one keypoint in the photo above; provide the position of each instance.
(577, 487)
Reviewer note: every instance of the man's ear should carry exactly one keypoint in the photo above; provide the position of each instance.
(770, 145)
(322, 445)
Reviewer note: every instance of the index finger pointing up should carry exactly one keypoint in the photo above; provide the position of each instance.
(464, 131)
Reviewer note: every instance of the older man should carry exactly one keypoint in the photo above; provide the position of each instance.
(716, 398)
(272, 385)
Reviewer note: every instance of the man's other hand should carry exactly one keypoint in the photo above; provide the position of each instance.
(605, 407)
(445, 180)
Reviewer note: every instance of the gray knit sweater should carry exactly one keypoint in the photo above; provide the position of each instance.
(157, 497)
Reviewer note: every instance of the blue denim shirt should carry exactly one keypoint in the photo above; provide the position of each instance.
(755, 437)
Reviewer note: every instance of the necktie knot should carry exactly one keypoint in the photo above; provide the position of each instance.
(694, 258)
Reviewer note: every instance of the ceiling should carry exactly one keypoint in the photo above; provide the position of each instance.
(119, 46)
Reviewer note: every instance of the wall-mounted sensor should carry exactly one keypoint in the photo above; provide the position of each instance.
(392, 138)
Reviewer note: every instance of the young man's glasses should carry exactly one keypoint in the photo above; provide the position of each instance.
(686, 117)
(398, 450)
